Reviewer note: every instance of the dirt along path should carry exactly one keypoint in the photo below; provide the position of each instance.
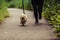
(11, 29)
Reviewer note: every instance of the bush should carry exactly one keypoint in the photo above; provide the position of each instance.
(56, 29)
(51, 12)
(3, 11)
(58, 35)
(1, 19)
(3, 14)
(18, 4)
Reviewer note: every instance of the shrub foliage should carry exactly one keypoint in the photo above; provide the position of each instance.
(3, 11)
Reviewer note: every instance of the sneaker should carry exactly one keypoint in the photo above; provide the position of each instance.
(36, 22)
(40, 17)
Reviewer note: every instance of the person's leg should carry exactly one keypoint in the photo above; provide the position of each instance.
(34, 4)
(40, 6)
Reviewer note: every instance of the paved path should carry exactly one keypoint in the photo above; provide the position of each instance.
(11, 29)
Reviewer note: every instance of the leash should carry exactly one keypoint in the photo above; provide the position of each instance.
(23, 6)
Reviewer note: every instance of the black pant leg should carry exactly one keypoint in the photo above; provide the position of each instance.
(40, 6)
(34, 4)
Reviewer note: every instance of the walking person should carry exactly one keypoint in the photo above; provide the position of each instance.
(37, 6)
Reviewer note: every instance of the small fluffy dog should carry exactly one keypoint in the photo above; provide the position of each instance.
(23, 19)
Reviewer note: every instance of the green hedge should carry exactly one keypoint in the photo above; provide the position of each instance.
(3, 11)
(18, 4)
(51, 12)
